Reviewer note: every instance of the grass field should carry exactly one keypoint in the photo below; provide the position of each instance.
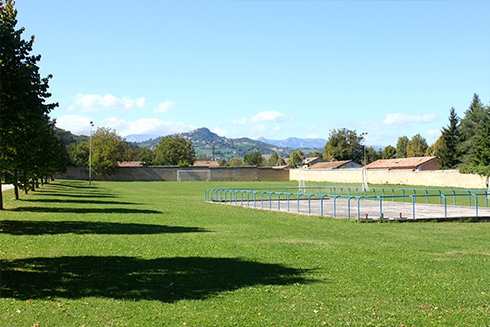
(156, 254)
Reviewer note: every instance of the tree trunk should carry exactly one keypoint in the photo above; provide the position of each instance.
(16, 187)
(1, 195)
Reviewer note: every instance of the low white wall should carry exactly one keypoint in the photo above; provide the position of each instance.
(437, 178)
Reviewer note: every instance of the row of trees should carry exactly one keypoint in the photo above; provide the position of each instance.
(108, 148)
(463, 144)
(29, 149)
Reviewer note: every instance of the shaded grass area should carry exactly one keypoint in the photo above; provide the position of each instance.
(155, 253)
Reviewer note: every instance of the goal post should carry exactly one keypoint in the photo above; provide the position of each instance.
(193, 175)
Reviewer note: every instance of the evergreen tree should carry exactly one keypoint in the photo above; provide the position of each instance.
(371, 155)
(449, 150)
(253, 159)
(481, 151)
(294, 160)
(401, 147)
(388, 152)
(273, 159)
(470, 128)
(417, 146)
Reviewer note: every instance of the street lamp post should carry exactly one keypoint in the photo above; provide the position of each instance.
(90, 155)
(364, 181)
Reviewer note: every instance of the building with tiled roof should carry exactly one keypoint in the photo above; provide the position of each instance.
(208, 163)
(415, 163)
(312, 161)
(336, 165)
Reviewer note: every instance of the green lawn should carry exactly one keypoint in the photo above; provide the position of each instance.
(156, 254)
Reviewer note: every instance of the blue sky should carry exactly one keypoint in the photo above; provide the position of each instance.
(255, 68)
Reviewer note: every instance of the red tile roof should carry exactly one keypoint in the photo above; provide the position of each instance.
(210, 163)
(401, 163)
(281, 167)
(130, 163)
(330, 164)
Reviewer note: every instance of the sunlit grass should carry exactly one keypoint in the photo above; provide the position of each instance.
(155, 253)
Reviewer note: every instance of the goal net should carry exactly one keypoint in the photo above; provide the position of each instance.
(202, 175)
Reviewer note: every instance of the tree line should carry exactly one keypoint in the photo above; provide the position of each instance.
(29, 150)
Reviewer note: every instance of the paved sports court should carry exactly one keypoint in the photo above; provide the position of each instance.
(370, 210)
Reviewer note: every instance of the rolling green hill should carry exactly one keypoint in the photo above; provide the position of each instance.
(203, 141)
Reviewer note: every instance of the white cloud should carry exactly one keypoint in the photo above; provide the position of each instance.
(269, 116)
(432, 135)
(262, 117)
(153, 126)
(164, 107)
(78, 124)
(97, 102)
(74, 123)
(239, 121)
(318, 128)
(399, 120)
(220, 131)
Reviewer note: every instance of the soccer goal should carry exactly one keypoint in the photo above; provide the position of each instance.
(194, 175)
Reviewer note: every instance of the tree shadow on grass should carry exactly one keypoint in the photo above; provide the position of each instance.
(117, 277)
(87, 210)
(79, 201)
(15, 227)
(74, 195)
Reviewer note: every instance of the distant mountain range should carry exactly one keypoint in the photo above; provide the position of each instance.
(204, 140)
(294, 142)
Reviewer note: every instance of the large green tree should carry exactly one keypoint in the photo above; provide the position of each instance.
(235, 162)
(388, 152)
(343, 144)
(275, 160)
(294, 160)
(253, 159)
(417, 146)
(107, 149)
(174, 150)
(470, 128)
(449, 150)
(481, 151)
(401, 147)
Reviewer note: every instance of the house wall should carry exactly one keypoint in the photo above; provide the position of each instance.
(436, 178)
(169, 173)
(431, 165)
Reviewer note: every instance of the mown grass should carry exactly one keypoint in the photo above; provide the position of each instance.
(156, 254)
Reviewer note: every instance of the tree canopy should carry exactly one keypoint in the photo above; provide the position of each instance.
(417, 146)
(107, 149)
(173, 150)
(253, 159)
(343, 144)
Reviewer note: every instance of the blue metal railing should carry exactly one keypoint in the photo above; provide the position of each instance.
(334, 193)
